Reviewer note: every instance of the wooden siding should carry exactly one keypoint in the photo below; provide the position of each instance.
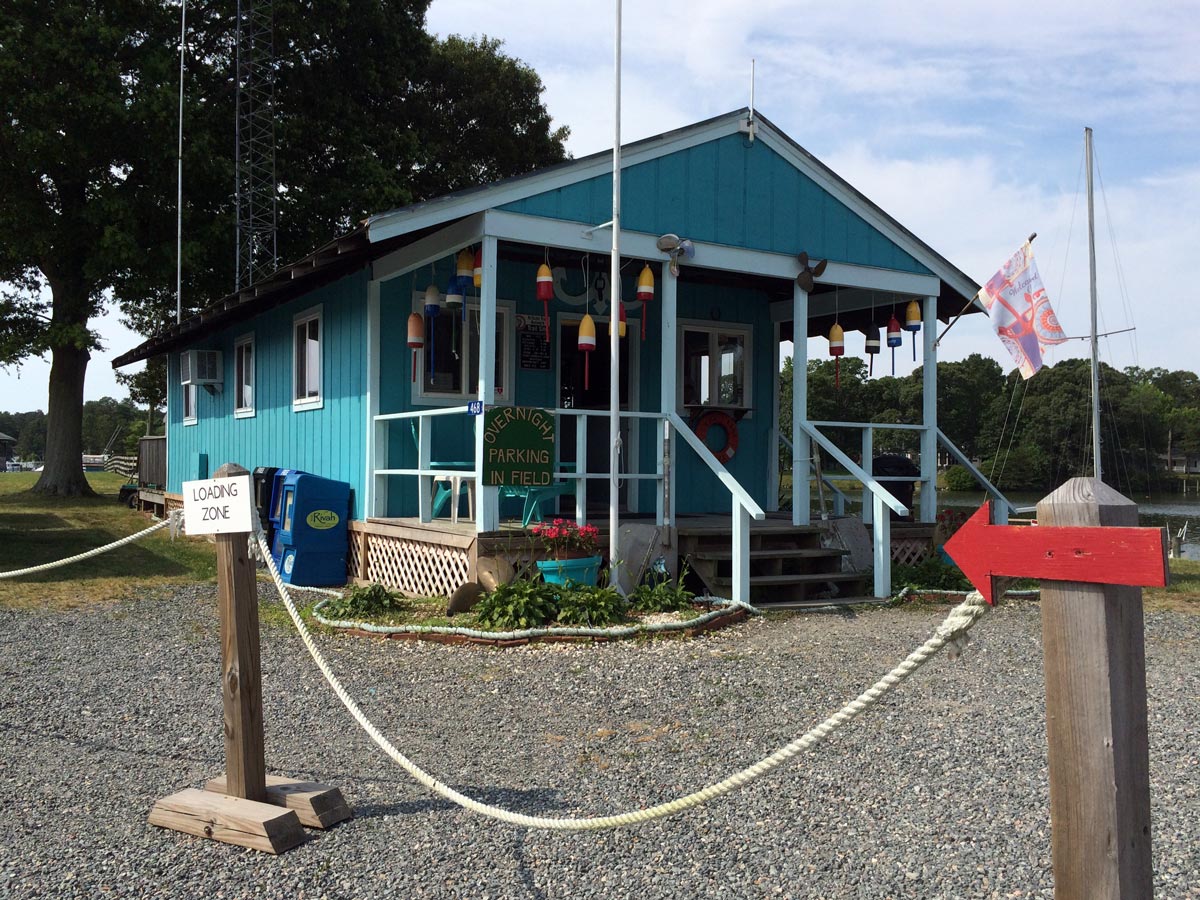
(728, 191)
(326, 441)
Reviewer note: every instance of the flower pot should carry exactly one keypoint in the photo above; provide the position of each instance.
(584, 570)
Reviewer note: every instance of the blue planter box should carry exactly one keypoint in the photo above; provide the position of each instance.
(584, 570)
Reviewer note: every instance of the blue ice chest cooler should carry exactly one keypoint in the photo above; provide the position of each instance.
(312, 534)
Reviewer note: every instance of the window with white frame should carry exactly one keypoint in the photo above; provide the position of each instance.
(243, 376)
(450, 360)
(307, 360)
(188, 392)
(715, 365)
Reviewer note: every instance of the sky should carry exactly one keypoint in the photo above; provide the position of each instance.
(963, 120)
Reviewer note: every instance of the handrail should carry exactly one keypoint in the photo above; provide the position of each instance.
(731, 483)
(417, 413)
(840, 498)
(970, 467)
(869, 481)
(892, 426)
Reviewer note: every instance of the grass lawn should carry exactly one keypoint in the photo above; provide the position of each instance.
(35, 529)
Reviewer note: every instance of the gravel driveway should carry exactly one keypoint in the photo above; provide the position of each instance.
(940, 792)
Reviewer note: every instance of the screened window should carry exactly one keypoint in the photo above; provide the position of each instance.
(306, 354)
(450, 360)
(714, 366)
(243, 376)
(189, 404)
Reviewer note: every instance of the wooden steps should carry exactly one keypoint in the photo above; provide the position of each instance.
(789, 566)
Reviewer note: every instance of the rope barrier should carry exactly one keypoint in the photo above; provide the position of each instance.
(952, 632)
(165, 523)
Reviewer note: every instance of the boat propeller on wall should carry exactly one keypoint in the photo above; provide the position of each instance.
(808, 274)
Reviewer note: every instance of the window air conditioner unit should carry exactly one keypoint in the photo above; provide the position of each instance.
(200, 367)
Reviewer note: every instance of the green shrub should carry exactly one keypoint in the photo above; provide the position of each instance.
(592, 606)
(932, 574)
(959, 478)
(662, 593)
(364, 602)
(517, 605)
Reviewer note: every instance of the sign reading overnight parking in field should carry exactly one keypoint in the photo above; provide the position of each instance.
(217, 505)
(518, 447)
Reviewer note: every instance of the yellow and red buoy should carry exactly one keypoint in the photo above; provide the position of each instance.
(477, 274)
(645, 293)
(621, 323)
(587, 343)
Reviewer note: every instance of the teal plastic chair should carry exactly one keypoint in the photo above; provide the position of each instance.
(443, 486)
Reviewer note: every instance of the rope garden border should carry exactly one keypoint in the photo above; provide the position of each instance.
(953, 632)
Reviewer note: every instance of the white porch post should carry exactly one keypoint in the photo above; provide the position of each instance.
(487, 514)
(668, 382)
(801, 444)
(868, 464)
(881, 546)
(741, 552)
(375, 501)
(929, 443)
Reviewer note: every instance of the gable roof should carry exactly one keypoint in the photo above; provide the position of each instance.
(383, 232)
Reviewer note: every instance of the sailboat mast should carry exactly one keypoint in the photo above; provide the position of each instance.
(1087, 145)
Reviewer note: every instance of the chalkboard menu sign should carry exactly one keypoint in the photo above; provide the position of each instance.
(533, 347)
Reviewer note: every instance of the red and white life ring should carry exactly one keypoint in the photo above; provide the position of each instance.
(725, 421)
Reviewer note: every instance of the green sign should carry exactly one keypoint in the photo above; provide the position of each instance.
(518, 447)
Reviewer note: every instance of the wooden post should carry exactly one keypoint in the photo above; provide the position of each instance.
(241, 675)
(239, 807)
(1096, 715)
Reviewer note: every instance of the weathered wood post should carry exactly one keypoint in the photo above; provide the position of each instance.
(243, 806)
(1095, 668)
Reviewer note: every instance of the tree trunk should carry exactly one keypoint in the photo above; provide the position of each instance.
(63, 473)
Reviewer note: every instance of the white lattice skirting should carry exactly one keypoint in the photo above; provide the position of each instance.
(413, 567)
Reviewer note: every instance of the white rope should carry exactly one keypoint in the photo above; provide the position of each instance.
(168, 522)
(952, 631)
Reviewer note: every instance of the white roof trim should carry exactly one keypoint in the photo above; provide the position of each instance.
(402, 221)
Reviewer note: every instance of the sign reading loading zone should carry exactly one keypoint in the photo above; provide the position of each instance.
(217, 505)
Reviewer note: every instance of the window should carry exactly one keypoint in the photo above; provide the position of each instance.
(306, 356)
(189, 404)
(243, 376)
(714, 366)
(450, 361)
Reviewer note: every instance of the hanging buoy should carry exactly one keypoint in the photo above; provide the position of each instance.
(872, 334)
(621, 324)
(416, 339)
(433, 307)
(545, 293)
(465, 266)
(477, 275)
(912, 322)
(645, 293)
(837, 347)
(893, 339)
(587, 343)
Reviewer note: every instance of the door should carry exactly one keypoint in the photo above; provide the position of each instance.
(583, 379)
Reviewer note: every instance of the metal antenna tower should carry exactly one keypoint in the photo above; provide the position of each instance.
(257, 216)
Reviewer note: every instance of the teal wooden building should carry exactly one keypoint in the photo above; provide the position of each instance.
(313, 368)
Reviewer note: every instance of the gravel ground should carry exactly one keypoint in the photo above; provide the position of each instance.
(939, 793)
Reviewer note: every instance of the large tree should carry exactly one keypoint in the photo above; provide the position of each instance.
(371, 113)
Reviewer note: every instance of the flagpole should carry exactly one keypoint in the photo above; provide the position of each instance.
(179, 178)
(1087, 145)
(614, 320)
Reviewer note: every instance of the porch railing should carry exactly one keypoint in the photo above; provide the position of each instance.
(839, 496)
(744, 507)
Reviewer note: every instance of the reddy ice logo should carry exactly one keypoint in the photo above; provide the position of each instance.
(321, 519)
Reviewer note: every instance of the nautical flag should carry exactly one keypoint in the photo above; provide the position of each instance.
(1020, 311)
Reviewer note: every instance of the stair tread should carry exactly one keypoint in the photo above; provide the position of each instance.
(808, 578)
(756, 528)
(781, 553)
(818, 603)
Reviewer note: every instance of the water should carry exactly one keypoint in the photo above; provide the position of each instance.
(1171, 513)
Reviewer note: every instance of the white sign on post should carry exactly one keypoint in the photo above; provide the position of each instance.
(218, 505)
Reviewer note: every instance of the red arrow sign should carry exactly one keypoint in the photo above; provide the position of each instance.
(1098, 555)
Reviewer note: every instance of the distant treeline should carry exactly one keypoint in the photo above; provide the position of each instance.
(1024, 435)
(101, 420)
